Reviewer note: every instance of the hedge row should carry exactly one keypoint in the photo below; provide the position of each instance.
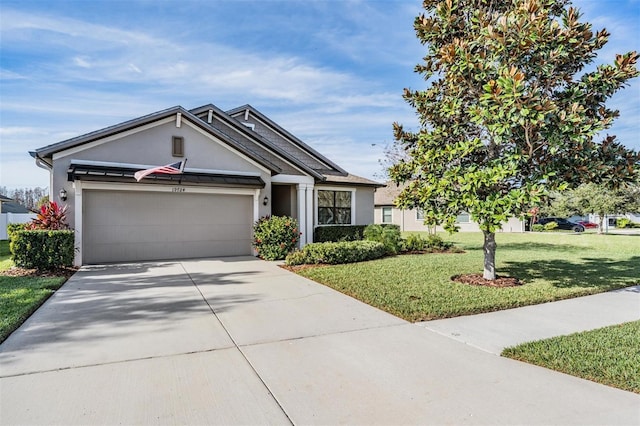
(334, 253)
(12, 228)
(336, 233)
(42, 249)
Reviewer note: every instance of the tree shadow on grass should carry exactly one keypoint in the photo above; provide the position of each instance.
(533, 246)
(590, 272)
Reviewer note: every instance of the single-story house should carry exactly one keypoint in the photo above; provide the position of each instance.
(241, 166)
(412, 220)
(12, 212)
(9, 205)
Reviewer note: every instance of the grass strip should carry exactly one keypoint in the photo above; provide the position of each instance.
(553, 266)
(609, 355)
(20, 296)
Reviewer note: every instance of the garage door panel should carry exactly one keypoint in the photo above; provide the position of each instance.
(126, 226)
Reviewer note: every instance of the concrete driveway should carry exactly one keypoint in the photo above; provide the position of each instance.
(241, 341)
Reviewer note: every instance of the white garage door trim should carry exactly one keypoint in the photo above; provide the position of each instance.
(80, 186)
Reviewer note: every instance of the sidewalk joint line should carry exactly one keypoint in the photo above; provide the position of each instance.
(236, 345)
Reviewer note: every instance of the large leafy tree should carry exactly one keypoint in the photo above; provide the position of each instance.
(509, 113)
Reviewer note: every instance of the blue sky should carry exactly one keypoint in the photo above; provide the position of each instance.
(330, 72)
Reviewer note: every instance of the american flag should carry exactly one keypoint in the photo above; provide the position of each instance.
(169, 169)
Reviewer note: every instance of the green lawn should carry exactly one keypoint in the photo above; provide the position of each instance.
(21, 296)
(609, 355)
(553, 266)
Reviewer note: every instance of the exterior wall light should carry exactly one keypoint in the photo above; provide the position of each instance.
(63, 194)
(265, 201)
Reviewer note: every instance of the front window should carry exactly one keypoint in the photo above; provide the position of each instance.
(334, 207)
(386, 215)
(419, 214)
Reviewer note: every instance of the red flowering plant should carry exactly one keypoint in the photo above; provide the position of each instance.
(275, 236)
(51, 216)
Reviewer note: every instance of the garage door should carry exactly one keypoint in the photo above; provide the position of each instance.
(123, 226)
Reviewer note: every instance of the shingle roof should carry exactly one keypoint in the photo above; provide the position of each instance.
(274, 148)
(9, 205)
(254, 154)
(351, 179)
(252, 140)
(289, 142)
(386, 196)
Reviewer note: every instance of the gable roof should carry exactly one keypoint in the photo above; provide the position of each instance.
(49, 150)
(273, 147)
(245, 136)
(279, 136)
(9, 205)
(387, 196)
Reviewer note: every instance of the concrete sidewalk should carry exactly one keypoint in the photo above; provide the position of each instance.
(241, 341)
(494, 331)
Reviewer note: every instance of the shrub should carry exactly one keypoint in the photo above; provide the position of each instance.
(12, 228)
(344, 232)
(51, 217)
(436, 242)
(623, 222)
(550, 226)
(42, 249)
(415, 242)
(334, 253)
(275, 236)
(389, 236)
(538, 227)
(338, 233)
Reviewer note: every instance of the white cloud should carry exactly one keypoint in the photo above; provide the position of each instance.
(81, 62)
(122, 72)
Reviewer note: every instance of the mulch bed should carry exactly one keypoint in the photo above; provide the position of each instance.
(297, 268)
(477, 279)
(23, 272)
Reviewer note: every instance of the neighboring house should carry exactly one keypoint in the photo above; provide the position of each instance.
(12, 212)
(241, 166)
(609, 220)
(412, 220)
(9, 205)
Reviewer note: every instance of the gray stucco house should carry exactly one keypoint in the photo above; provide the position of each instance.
(241, 166)
(409, 220)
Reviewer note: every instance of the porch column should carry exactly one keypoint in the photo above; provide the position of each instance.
(310, 211)
(77, 207)
(302, 213)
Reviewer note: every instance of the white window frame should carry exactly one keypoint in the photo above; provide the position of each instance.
(390, 214)
(418, 213)
(335, 188)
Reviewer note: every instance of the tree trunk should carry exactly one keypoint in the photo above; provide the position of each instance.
(600, 224)
(489, 249)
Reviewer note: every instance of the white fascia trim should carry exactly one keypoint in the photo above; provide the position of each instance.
(224, 145)
(146, 166)
(282, 178)
(111, 138)
(335, 188)
(273, 152)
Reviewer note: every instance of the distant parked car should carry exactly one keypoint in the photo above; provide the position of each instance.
(562, 223)
(588, 225)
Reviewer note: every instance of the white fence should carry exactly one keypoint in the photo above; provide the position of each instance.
(7, 218)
